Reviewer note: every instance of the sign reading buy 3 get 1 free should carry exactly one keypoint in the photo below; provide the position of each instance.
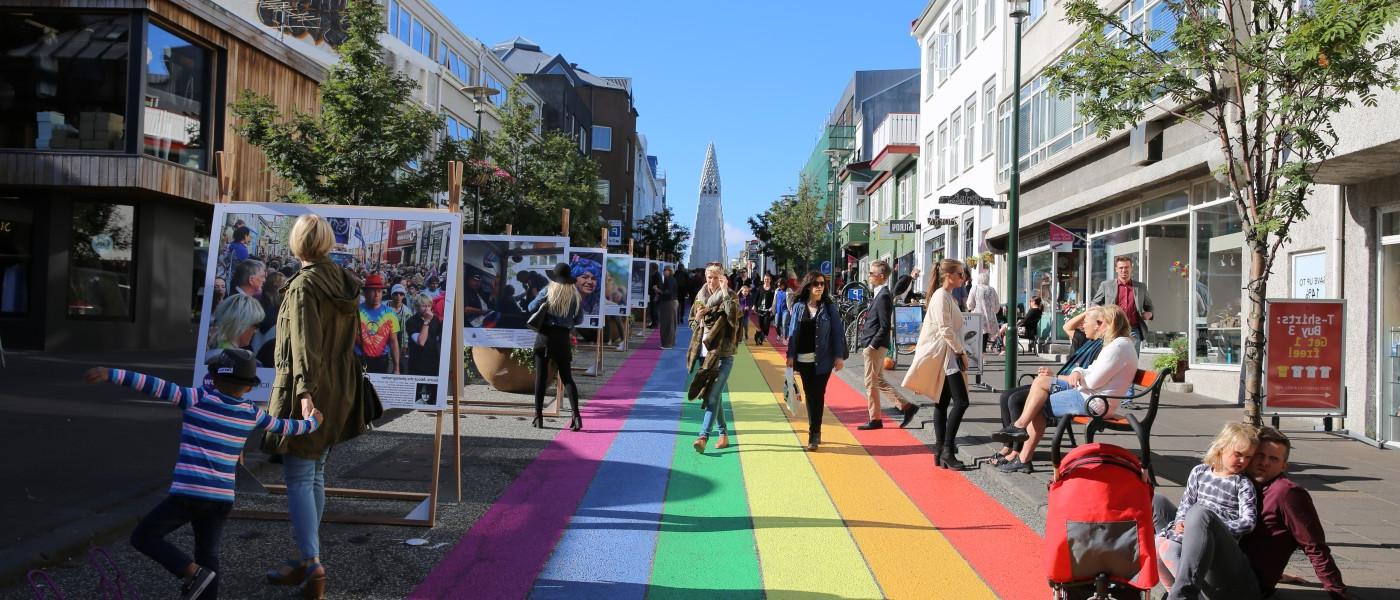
(1303, 372)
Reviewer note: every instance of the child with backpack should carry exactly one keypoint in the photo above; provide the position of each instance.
(1219, 485)
(215, 424)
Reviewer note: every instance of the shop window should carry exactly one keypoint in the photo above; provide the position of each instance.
(65, 81)
(101, 260)
(1166, 271)
(1390, 338)
(1390, 224)
(1218, 283)
(176, 108)
(1169, 203)
(16, 261)
(1103, 250)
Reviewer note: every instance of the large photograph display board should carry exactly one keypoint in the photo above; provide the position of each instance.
(617, 287)
(907, 320)
(641, 268)
(502, 274)
(1303, 367)
(587, 267)
(388, 250)
(972, 342)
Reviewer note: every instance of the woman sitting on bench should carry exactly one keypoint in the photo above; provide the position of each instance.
(1109, 375)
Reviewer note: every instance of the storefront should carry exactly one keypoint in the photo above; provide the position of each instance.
(1388, 307)
(1187, 246)
(1054, 277)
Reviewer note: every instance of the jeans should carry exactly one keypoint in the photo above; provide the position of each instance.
(206, 517)
(306, 501)
(814, 386)
(714, 406)
(1208, 563)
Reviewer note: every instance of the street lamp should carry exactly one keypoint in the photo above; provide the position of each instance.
(836, 155)
(1020, 9)
(480, 95)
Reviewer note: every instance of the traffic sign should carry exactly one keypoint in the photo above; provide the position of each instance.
(828, 227)
(826, 267)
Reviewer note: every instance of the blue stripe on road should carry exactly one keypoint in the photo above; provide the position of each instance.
(607, 550)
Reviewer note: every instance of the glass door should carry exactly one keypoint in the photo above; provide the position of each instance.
(1389, 308)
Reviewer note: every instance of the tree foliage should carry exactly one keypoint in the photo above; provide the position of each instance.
(369, 144)
(1264, 78)
(659, 233)
(798, 228)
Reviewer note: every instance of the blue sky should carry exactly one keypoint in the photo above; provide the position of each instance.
(757, 78)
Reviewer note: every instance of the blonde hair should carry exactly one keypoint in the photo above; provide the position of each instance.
(311, 238)
(1115, 323)
(944, 267)
(714, 269)
(1232, 435)
(1095, 313)
(562, 299)
(232, 317)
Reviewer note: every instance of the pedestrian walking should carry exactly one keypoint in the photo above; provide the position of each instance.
(318, 325)
(715, 323)
(746, 304)
(939, 366)
(874, 339)
(667, 293)
(215, 421)
(818, 348)
(780, 311)
(764, 302)
(563, 312)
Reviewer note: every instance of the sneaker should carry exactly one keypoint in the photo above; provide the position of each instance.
(1015, 466)
(1011, 435)
(196, 584)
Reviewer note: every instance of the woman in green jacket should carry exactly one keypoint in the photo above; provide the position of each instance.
(316, 328)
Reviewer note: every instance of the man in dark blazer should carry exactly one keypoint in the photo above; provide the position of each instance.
(1130, 295)
(874, 342)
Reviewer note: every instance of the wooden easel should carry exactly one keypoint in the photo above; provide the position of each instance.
(627, 314)
(514, 409)
(425, 513)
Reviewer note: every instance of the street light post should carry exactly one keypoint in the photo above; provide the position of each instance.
(480, 94)
(1020, 9)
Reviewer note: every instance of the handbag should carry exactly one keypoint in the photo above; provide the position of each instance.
(369, 400)
(537, 319)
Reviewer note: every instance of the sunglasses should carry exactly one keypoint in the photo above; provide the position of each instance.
(818, 284)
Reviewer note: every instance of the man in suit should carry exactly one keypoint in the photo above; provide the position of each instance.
(874, 342)
(1129, 295)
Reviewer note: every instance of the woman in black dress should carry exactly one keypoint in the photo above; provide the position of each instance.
(552, 345)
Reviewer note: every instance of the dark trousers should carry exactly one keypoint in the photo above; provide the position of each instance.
(206, 517)
(559, 351)
(765, 320)
(946, 420)
(1013, 401)
(378, 364)
(814, 388)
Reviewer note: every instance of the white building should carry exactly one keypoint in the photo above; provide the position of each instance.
(961, 45)
(649, 195)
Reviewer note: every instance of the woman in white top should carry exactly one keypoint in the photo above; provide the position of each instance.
(983, 301)
(938, 365)
(1111, 374)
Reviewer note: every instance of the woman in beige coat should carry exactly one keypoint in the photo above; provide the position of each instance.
(938, 366)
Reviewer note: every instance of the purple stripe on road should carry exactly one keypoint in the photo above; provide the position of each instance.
(507, 548)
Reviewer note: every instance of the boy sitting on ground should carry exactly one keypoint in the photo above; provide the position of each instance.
(215, 424)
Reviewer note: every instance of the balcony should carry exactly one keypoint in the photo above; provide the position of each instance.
(895, 140)
(855, 236)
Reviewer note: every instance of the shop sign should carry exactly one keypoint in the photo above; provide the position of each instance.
(1310, 275)
(899, 226)
(1303, 359)
(1061, 239)
(403, 237)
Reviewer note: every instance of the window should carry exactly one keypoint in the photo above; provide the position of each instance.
(989, 16)
(392, 22)
(602, 138)
(16, 259)
(1218, 281)
(969, 238)
(970, 136)
(930, 156)
(405, 26)
(455, 64)
(971, 25)
(945, 62)
(1049, 124)
(1037, 10)
(489, 81)
(989, 104)
(176, 114)
(904, 202)
(1143, 16)
(604, 188)
(942, 150)
(954, 143)
(931, 77)
(956, 43)
(456, 128)
(65, 80)
(101, 260)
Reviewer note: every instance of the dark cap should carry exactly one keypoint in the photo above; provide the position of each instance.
(234, 365)
(562, 273)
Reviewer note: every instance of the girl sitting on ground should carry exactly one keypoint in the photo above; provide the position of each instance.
(1217, 485)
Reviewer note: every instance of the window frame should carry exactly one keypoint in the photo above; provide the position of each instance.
(942, 148)
(596, 146)
(213, 75)
(955, 127)
(989, 110)
(970, 131)
(133, 271)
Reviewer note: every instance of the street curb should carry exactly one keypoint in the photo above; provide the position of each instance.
(74, 538)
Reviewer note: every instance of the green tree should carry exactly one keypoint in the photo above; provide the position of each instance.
(369, 145)
(659, 232)
(1265, 78)
(798, 225)
(547, 174)
(762, 227)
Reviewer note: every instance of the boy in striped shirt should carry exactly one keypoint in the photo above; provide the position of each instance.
(216, 422)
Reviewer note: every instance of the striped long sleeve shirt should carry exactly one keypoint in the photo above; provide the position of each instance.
(1231, 498)
(212, 432)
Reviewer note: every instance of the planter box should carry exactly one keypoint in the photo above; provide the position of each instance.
(503, 372)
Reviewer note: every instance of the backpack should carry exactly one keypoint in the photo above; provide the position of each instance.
(1099, 520)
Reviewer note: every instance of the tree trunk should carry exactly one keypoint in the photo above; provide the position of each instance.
(1254, 335)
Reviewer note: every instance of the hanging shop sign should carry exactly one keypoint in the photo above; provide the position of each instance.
(969, 197)
(1303, 368)
(899, 226)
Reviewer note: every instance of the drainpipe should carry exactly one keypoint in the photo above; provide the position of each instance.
(1339, 207)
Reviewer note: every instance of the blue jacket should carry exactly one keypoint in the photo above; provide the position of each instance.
(565, 322)
(831, 335)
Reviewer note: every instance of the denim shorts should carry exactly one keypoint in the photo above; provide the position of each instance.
(1067, 402)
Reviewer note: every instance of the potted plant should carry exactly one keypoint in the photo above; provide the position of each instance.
(1176, 360)
(506, 369)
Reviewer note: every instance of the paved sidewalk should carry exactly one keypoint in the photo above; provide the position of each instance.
(1355, 486)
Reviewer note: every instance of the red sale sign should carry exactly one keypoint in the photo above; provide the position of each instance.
(1303, 356)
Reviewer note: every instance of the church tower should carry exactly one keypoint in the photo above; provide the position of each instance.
(707, 243)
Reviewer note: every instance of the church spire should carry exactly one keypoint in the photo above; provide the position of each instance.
(709, 175)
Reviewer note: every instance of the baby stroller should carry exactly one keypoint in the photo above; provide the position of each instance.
(1098, 529)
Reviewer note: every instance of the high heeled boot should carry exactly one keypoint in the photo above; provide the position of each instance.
(576, 423)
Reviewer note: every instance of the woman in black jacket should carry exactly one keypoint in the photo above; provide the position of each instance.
(818, 346)
(1030, 323)
(552, 344)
